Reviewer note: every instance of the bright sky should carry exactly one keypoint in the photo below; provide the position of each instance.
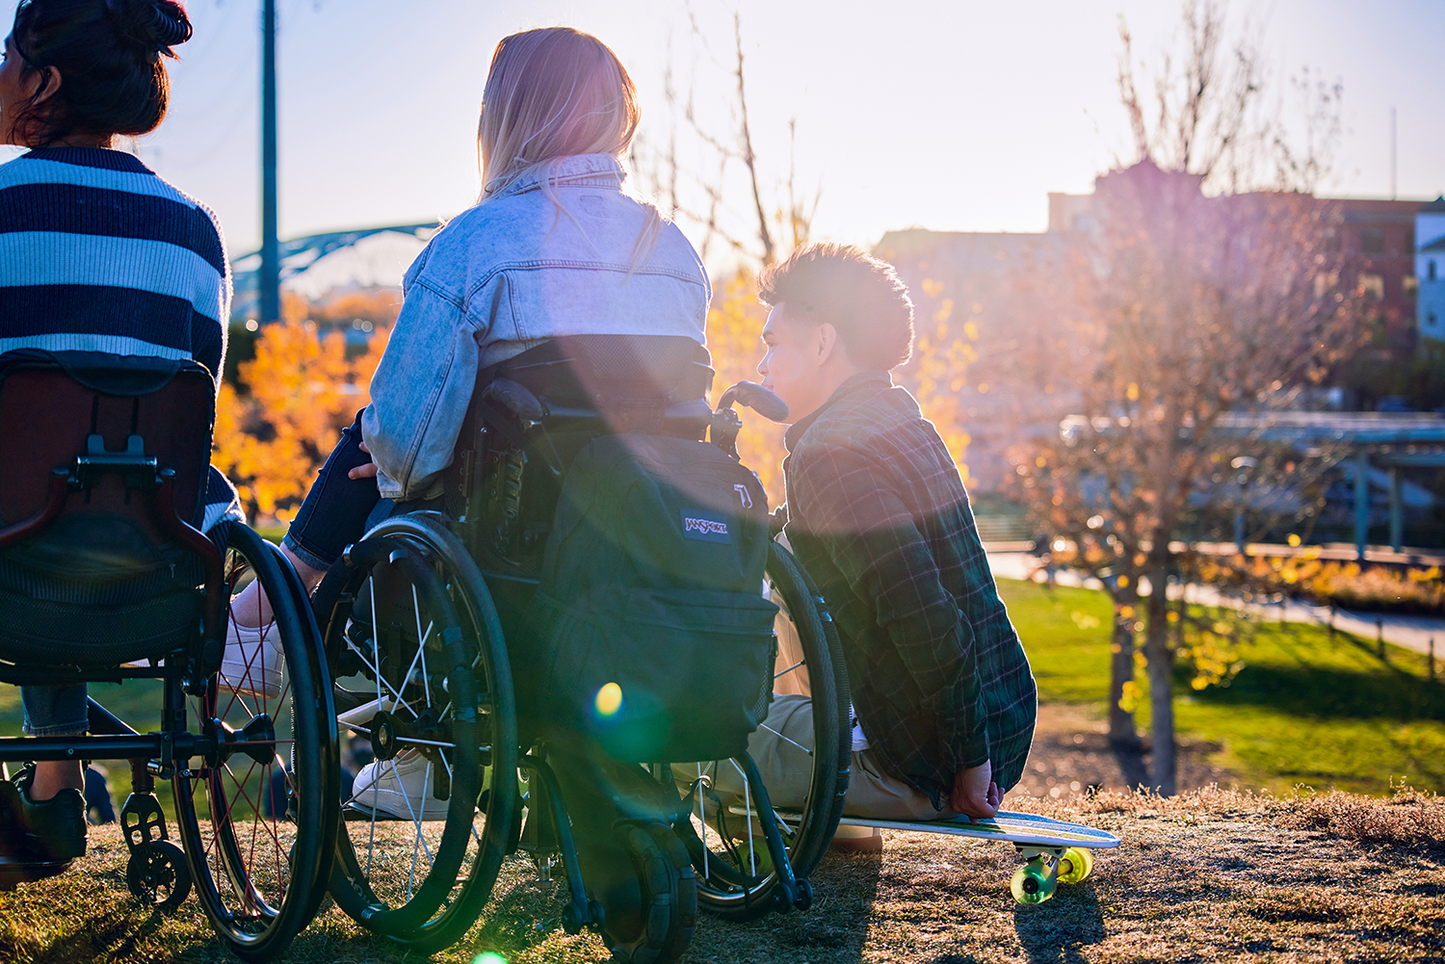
(945, 114)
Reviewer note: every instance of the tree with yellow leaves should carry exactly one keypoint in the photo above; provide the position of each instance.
(277, 426)
(734, 337)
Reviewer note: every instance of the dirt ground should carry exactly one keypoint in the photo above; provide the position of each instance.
(1205, 876)
(1071, 754)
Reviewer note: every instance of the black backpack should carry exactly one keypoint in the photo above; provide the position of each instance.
(655, 637)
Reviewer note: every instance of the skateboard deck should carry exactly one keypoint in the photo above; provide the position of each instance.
(1055, 851)
(1025, 829)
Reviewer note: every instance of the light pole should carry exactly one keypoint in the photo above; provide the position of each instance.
(1244, 467)
(270, 278)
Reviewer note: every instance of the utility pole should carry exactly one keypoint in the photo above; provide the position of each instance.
(1393, 165)
(270, 280)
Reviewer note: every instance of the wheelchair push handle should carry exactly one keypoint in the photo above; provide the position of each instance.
(723, 432)
(756, 397)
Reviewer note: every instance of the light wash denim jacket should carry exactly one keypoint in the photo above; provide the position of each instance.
(503, 277)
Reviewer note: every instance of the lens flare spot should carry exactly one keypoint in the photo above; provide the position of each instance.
(609, 699)
(489, 957)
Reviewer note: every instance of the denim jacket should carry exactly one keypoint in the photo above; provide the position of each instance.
(501, 278)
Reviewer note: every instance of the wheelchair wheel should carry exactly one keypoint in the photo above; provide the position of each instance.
(258, 816)
(423, 837)
(724, 838)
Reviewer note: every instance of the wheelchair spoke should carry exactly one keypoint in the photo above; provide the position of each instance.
(764, 726)
(790, 669)
(421, 644)
(748, 804)
(702, 818)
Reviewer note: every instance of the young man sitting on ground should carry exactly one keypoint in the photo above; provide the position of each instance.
(876, 511)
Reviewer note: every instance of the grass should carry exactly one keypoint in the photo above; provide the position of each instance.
(1239, 876)
(1215, 875)
(1307, 708)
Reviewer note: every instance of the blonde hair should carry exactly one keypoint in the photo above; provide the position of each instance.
(554, 93)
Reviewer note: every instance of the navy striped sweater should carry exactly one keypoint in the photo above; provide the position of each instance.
(99, 254)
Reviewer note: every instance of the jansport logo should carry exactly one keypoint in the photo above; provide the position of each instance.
(707, 528)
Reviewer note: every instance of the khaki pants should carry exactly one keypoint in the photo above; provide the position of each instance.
(781, 744)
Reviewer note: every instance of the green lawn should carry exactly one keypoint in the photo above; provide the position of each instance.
(1306, 709)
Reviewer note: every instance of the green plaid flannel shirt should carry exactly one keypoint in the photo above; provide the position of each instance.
(878, 514)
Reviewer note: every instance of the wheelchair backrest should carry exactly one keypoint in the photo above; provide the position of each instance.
(95, 566)
(86, 413)
(532, 414)
(618, 377)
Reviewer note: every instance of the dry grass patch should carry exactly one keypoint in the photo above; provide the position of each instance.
(1212, 875)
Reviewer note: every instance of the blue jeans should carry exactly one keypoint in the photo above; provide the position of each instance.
(55, 710)
(336, 509)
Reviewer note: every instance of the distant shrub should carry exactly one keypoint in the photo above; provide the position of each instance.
(1344, 584)
(1379, 589)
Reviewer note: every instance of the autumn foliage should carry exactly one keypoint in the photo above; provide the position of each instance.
(276, 427)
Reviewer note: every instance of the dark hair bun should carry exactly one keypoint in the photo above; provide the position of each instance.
(152, 26)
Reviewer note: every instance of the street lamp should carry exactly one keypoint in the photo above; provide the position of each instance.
(1244, 467)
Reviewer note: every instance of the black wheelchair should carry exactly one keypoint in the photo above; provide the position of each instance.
(425, 621)
(105, 577)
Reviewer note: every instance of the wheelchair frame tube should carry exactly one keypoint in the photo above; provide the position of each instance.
(179, 746)
(562, 825)
(787, 883)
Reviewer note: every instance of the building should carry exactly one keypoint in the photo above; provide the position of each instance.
(1381, 237)
(1430, 275)
(968, 278)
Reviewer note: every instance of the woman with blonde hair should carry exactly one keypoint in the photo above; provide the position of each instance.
(554, 246)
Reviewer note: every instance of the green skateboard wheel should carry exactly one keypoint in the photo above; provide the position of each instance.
(1036, 881)
(1076, 864)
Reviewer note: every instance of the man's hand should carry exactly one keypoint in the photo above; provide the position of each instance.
(975, 793)
(366, 471)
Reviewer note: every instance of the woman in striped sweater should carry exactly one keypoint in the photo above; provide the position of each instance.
(97, 254)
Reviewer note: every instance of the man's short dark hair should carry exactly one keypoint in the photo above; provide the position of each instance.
(859, 295)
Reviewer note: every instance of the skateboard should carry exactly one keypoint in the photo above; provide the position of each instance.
(1055, 852)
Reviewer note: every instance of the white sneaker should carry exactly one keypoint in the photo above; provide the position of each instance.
(253, 660)
(400, 787)
(359, 716)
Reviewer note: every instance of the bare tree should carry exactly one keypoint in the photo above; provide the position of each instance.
(1193, 308)
(1186, 301)
(746, 228)
(1208, 114)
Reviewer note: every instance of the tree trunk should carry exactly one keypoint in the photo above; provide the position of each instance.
(1161, 679)
(1122, 731)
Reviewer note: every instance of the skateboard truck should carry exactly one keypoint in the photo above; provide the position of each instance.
(1046, 868)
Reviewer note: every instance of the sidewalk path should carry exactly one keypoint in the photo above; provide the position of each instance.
(1410, 632)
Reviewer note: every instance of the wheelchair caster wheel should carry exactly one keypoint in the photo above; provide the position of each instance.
(157, 874)
(572, 921)
(598, 915)
(804, 900)
(784, 898)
